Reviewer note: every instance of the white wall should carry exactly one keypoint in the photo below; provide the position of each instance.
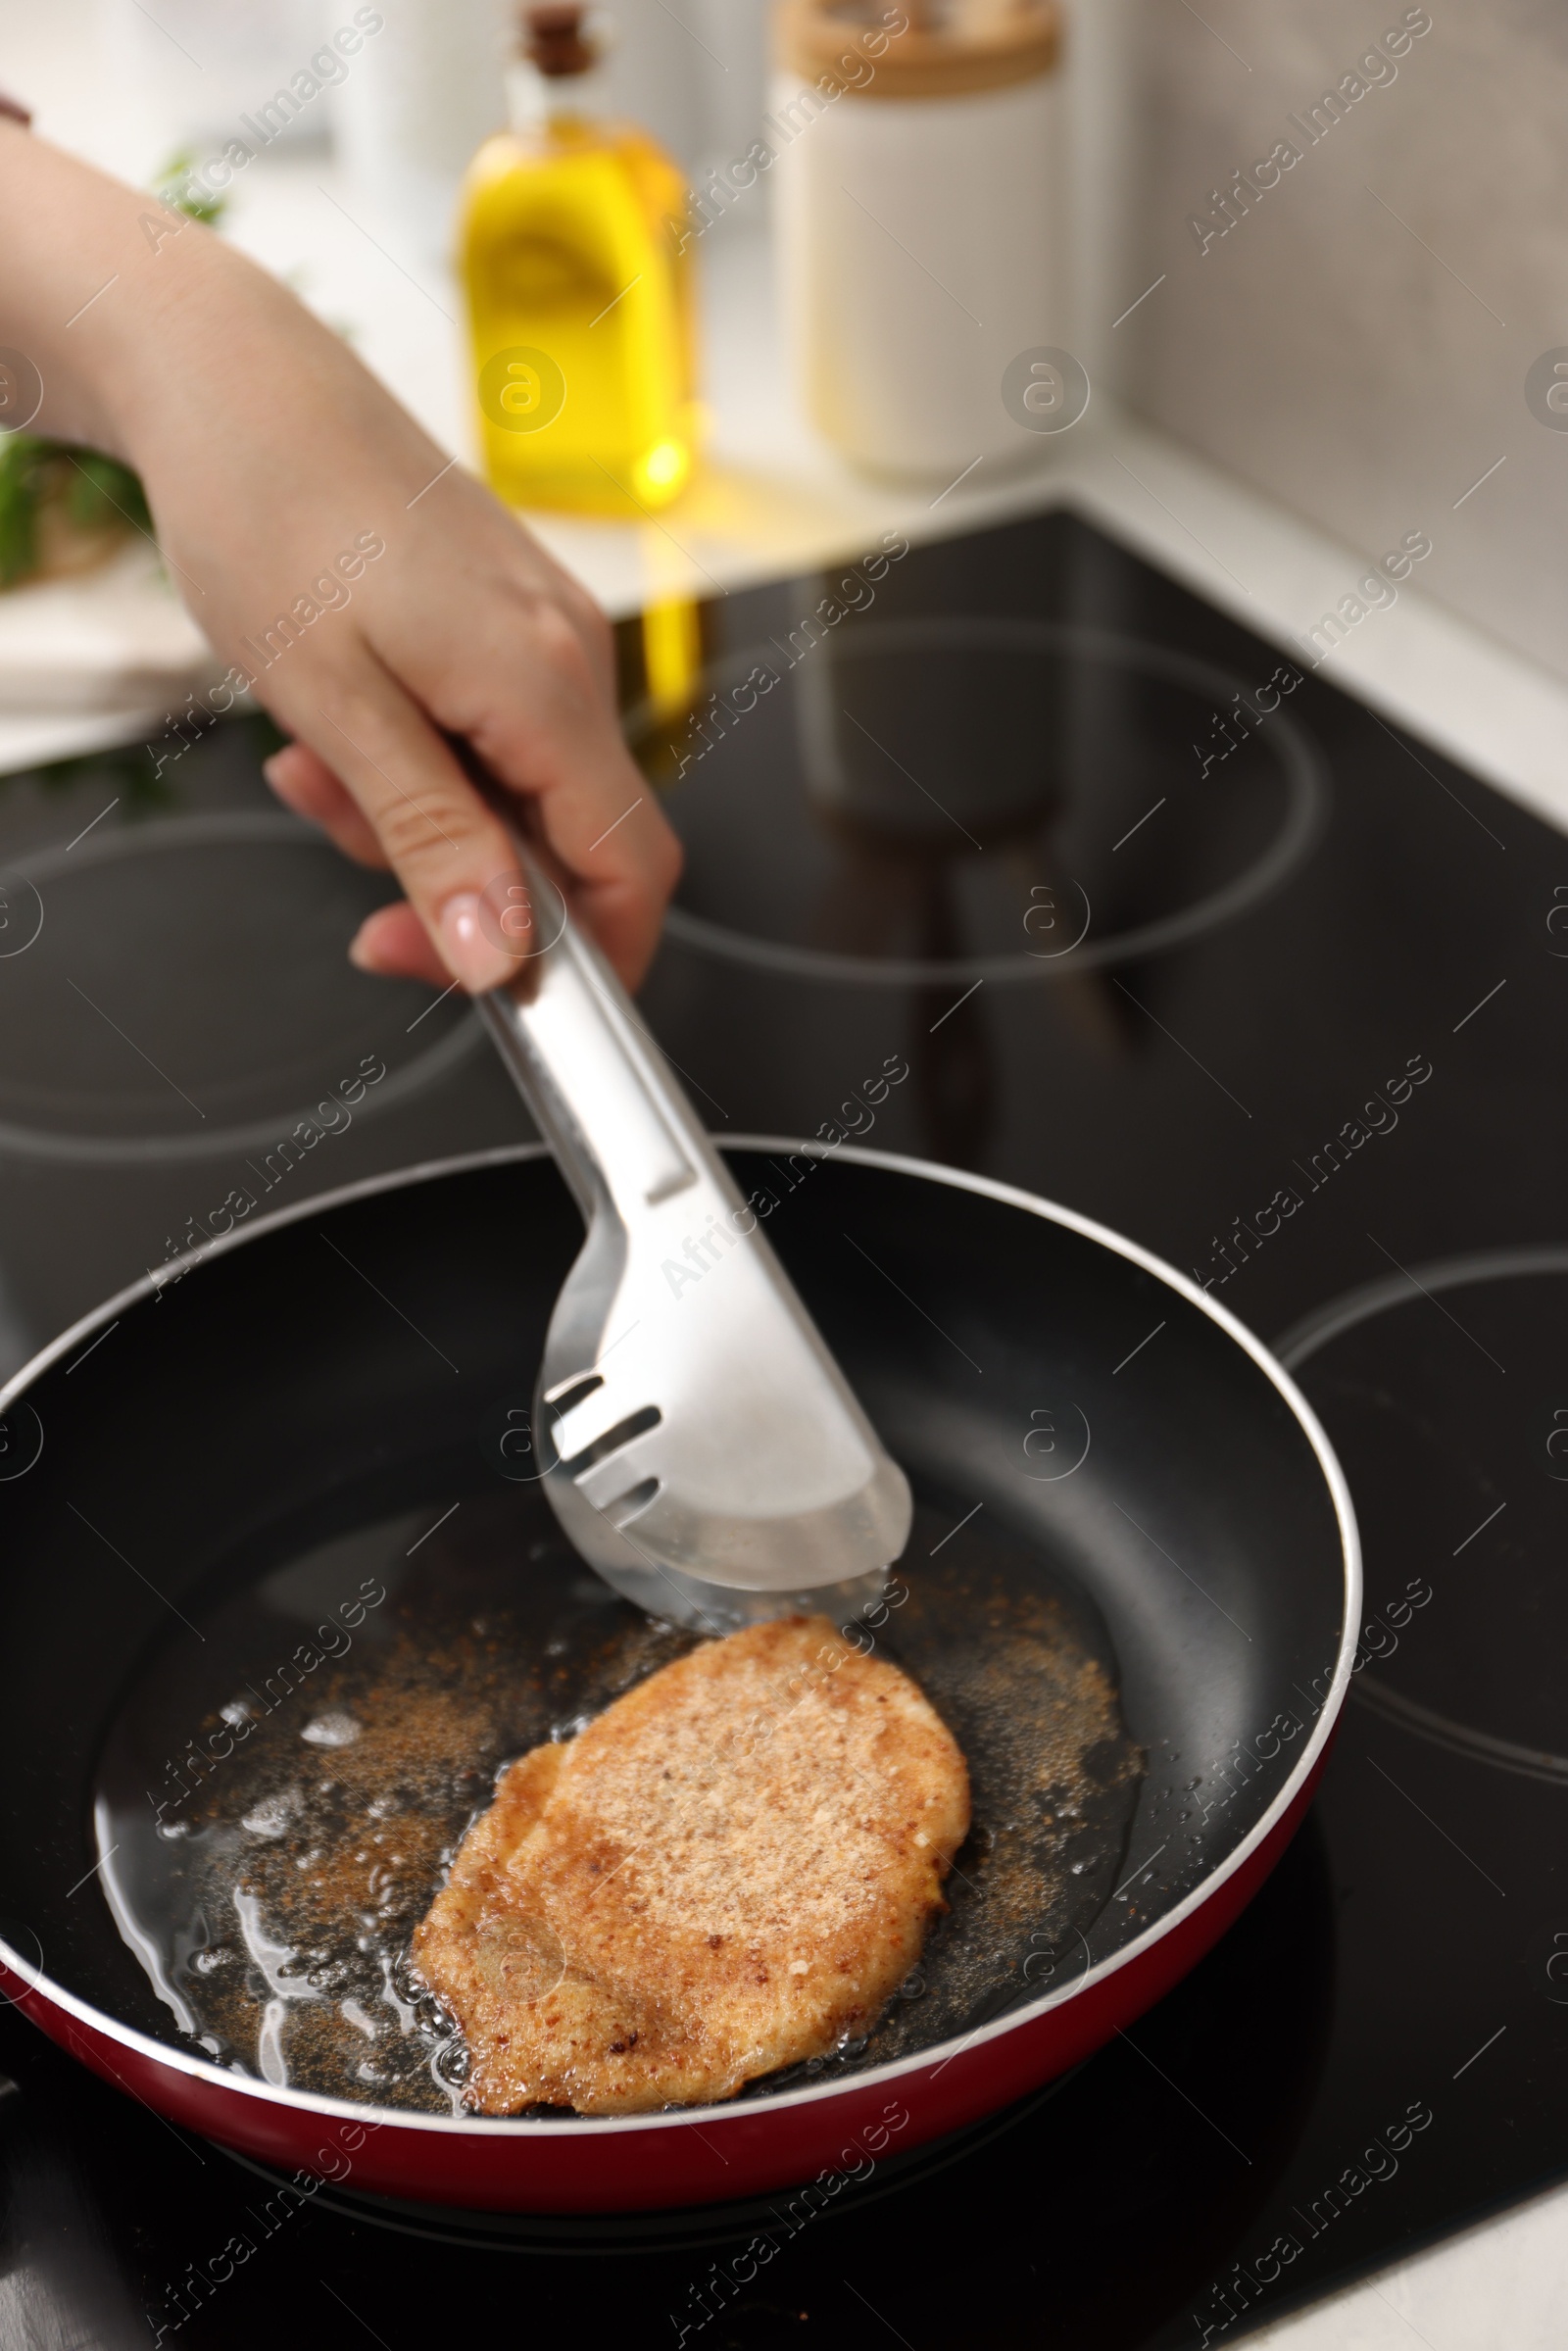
(131, 82)
(1357, 344)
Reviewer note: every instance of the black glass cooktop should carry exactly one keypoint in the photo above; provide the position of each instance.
(1166, 927)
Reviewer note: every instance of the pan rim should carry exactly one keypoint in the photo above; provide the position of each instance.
(738, 2114)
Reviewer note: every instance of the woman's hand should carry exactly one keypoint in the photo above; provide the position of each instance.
(374, 595)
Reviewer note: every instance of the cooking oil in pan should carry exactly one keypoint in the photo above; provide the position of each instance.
(274, 1833)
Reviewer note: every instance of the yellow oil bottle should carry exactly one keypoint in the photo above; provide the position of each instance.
(579, 294)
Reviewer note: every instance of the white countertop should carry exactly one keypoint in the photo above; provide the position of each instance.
(771, 502)
(1501, 2286)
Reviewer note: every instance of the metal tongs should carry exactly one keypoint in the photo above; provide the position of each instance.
(700, 1445)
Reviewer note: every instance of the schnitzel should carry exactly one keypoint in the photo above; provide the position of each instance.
(727, 1872)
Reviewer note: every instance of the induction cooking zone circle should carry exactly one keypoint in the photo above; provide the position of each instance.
(1444, 1389)
(185, 989)
(924, 801)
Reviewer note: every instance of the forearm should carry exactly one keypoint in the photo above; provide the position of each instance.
(75, 262)
(138, 320)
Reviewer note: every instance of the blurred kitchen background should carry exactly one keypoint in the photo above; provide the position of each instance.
(1291, 333)
(1354, 347)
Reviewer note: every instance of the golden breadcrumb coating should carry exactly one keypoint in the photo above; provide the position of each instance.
(727, 1872)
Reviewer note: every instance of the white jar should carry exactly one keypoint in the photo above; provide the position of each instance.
(919, 214)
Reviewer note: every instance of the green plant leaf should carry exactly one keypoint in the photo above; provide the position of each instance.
(101, 489)
(22, 483)
(174, 188)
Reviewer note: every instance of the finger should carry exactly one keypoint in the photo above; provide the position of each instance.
(525, 676)
(625, 916)
(627, 868)
(556, 741)
(307, 785)
(395, 945)
(442, 842)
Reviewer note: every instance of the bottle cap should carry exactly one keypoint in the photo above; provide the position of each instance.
(946, 48)
(556, 41)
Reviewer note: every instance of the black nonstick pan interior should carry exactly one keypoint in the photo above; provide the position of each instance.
(327, 1426)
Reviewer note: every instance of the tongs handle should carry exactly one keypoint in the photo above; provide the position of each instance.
(621, 1129)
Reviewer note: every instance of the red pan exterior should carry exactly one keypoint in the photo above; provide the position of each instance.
(665, 2159)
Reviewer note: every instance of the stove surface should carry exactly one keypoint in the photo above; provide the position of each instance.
(1165, 928)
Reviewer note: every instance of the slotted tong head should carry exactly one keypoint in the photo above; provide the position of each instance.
(701, 1446)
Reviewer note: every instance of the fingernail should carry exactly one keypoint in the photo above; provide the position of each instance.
(359, 951)
(469, 954)
(276, 780)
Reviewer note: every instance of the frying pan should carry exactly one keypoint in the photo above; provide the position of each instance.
(334, 1361)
